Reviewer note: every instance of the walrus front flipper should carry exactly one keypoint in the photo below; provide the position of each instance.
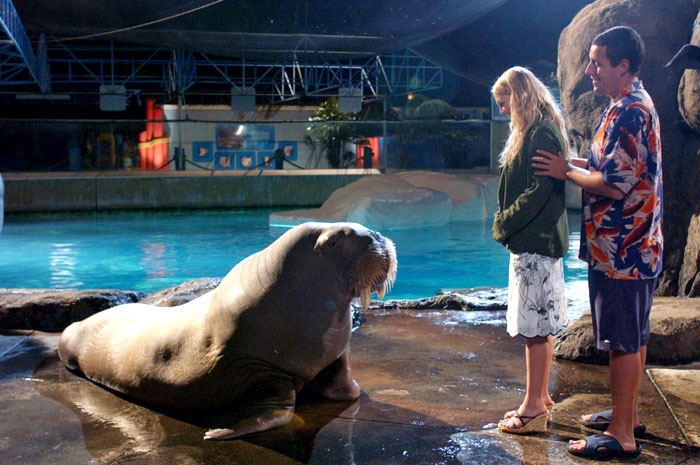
(270, 405)
(335, 381)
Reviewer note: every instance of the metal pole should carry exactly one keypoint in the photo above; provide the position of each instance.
(385, 155)
(179, 155)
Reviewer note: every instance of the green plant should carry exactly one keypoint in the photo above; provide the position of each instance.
(332, 128)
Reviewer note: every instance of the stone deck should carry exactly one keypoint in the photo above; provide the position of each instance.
(434, 384)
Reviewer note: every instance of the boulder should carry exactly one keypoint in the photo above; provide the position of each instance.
(480, 298)
(178, 295)
(689, 88)
(378, 202)
(665, 27)
(53, 310)
(473, 196)
(674, 335)
(689, 105)
(408, 199)
(689, 276)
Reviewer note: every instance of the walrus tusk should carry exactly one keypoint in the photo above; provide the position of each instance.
(364, 297)
(381, 291)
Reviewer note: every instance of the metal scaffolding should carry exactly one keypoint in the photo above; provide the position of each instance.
(79, 70)
(17, 59)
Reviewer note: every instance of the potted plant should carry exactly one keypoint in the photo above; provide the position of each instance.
(332, 128)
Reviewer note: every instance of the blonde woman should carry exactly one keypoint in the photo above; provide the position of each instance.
(531, 223)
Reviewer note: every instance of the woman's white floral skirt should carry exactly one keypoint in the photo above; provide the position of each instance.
(536, 300)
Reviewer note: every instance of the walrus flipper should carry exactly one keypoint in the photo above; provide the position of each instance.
(272, 406)
(335, 381)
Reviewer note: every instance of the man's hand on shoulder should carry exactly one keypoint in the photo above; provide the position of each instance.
(549, 164)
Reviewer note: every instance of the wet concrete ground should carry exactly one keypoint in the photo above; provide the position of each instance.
(434, 384)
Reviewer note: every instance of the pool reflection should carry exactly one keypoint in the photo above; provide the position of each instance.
(63, 259)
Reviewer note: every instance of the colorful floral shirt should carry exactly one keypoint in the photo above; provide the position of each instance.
(623, 237)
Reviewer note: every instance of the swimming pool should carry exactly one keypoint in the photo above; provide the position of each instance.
(148, 251)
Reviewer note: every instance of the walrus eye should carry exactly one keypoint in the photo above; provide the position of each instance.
(331, 242)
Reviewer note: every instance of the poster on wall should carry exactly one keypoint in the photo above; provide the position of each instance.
(224, 161)
(202, 151)
(243, 147)
(230, 136)
(266, 160)
(289, 148)
(245, 160)
(261, 137)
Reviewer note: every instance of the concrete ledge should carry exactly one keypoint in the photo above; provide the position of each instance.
(115, 190)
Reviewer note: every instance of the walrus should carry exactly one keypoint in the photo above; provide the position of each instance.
(279, 320)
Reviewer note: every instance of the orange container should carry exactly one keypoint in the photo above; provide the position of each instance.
(157, 126)
(150, 115)
(143, 156)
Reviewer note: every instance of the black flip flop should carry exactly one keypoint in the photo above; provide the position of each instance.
(604, 447)
(601, 420)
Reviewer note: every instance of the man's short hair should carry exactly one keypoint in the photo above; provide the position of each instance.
(622, 42)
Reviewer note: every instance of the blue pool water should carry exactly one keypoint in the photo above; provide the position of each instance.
(148, 251)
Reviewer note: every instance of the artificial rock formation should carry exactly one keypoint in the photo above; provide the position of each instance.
(181, 294)
(689, 88)
(689, 105)
(407, 199)
(673, 340)
(665, 27)
(53, 310)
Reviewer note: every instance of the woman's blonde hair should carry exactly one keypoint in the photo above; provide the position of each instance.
(530, 102)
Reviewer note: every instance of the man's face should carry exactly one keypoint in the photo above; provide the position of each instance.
(607, 79)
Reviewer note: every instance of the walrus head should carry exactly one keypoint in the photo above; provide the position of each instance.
(370, 258)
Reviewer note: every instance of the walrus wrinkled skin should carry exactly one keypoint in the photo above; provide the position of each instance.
(279, 320)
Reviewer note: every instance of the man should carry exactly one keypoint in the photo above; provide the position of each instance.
(621, 223)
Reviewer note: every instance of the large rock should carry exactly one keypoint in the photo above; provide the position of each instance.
(53, 310)
(178, 295)
(689, 277)
(689, 105)
(473, 196)
(404, 200)
(482, 298)
(665, 27)
(689, 88)
(674, 338)
(378, 202)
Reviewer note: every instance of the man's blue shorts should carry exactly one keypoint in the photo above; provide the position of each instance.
(620, 309)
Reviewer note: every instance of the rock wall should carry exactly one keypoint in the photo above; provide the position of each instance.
(689, 88)
(689, 105)
(665, 27)
(674, 333)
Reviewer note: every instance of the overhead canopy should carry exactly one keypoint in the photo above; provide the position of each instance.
(473, 39)
(257, 29)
